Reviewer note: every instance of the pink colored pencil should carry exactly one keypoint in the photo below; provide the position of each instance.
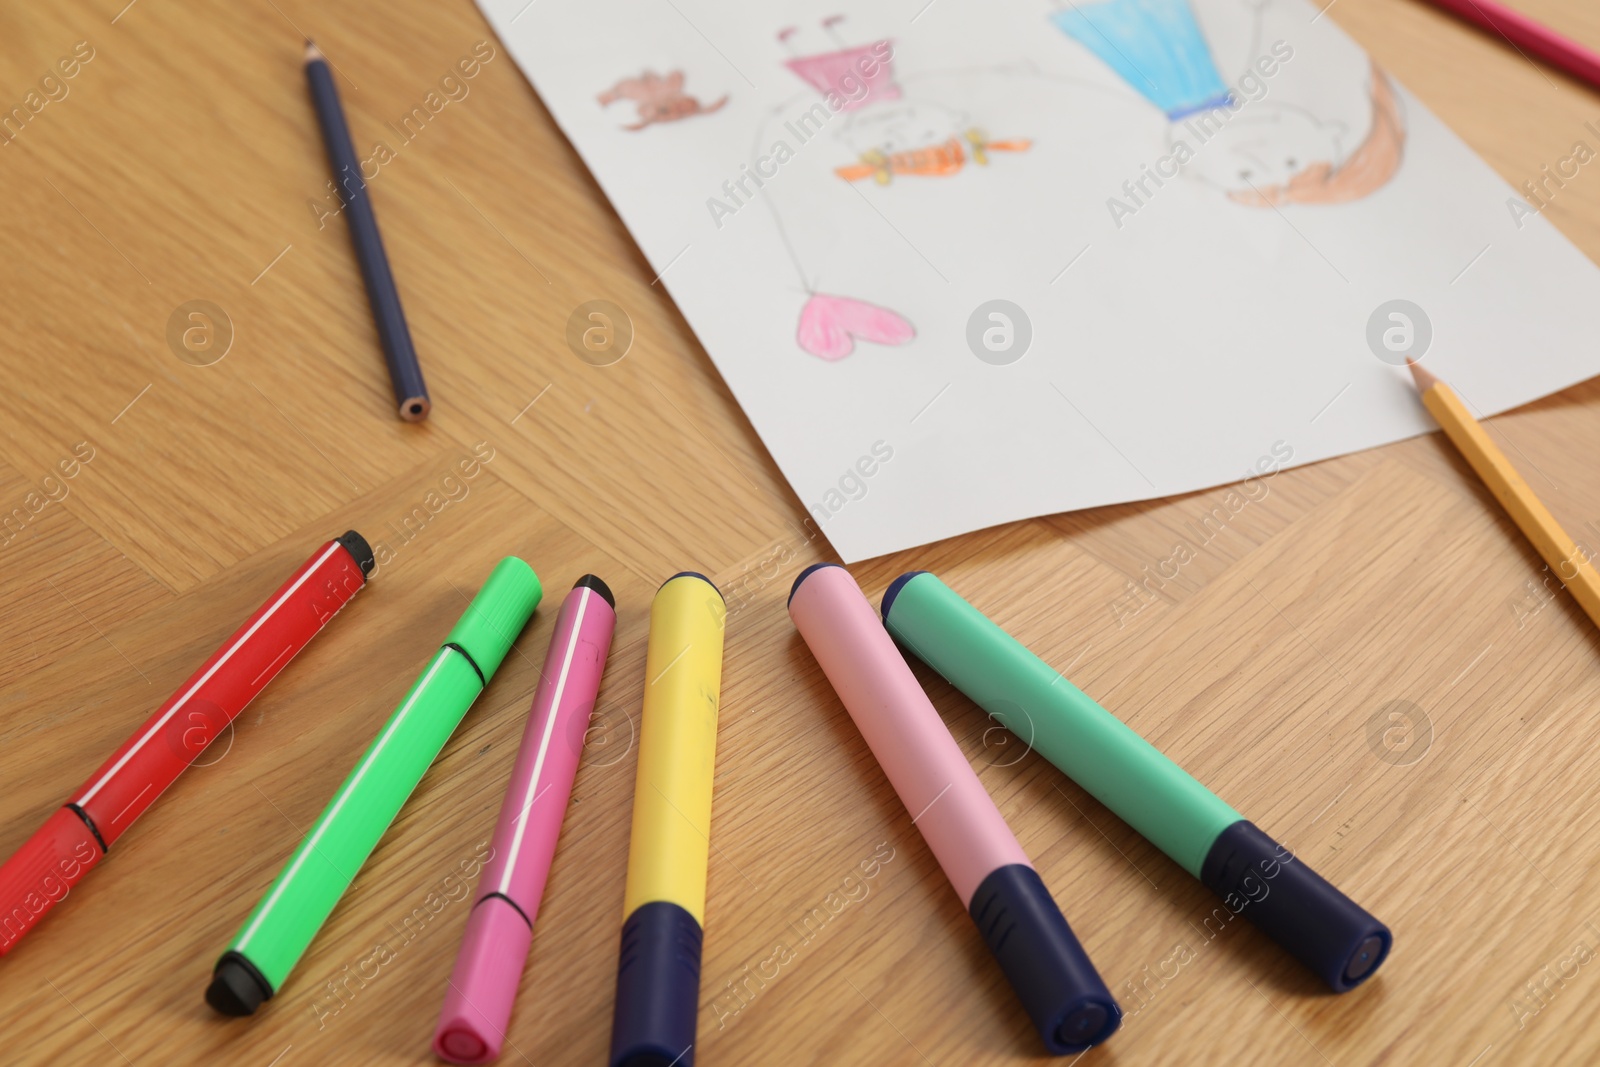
(1014, 912)
(1528, 36)
(483, 986)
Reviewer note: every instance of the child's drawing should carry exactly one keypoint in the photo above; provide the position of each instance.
(831, 325)
(907, 139)
(1260, 153)
(1329, 178)
(891, 135)
(1190, 209)
(841, 69)
(883, 160)
(658, 99)
(1258, 150)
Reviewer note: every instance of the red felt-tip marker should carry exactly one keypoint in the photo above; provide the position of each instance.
(39, 875)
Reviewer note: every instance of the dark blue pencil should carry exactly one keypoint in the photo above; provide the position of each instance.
(410, 392)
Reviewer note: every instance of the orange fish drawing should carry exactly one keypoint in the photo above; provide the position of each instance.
(935, 161)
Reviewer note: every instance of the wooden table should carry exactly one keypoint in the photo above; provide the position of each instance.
(1368, 661)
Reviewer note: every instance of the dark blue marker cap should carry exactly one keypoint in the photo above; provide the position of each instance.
(658, 988)
(803, 575)
(1051, 974)
(894, 590)
(1264, 882)
(694, 574)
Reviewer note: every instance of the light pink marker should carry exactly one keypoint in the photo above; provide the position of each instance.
(1014, 912)
(483, 986)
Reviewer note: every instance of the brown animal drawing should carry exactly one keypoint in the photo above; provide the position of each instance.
(658, 99)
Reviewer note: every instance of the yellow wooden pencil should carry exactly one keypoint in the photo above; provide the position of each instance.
(1569, 562)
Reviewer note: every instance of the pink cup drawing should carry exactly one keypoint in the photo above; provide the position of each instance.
(858, 76)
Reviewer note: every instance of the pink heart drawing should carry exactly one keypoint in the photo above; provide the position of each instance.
(830, 325)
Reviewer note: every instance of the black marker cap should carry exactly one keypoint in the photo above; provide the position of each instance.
(237, 988)
(359, 550)
(589, 581)
(1052, 975)
(1292, 904)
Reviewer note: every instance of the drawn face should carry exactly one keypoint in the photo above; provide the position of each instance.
(900, 128)
(1265, 146)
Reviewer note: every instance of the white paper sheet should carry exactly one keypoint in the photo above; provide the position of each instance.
(1193, 320)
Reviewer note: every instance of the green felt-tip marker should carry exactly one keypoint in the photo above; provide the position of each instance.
(279, 931)
(1255, 876)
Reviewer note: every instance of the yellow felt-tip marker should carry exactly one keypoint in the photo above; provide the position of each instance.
(658, 972)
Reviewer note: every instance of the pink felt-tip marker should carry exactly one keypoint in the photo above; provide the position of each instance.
(1527, 36)
(1014, 912)
(483, 986)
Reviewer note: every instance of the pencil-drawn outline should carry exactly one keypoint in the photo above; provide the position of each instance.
(1272, 155)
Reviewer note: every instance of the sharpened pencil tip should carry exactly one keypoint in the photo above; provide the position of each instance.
(1424, 378)
(312, 51)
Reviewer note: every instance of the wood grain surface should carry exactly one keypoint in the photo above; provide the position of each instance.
(1366, 659)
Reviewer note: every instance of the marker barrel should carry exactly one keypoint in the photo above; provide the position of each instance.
(1030, 698)
(41, 873)
(283, 925)
(1258, 878)
(658, 969)
(494, 949)
(1005, 897)
(74, 839)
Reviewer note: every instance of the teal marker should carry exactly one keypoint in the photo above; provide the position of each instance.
(1255, 876)
(283, 925)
